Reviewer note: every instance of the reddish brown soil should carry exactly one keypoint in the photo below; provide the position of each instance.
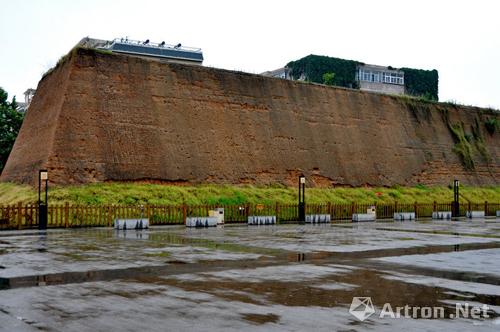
(107, 117)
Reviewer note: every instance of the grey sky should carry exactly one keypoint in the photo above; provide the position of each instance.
(461, 39)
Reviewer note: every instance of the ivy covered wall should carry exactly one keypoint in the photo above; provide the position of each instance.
(421, 83)
(312, 67)
(418, 82)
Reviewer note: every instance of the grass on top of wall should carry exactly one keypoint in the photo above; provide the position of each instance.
(159, 194)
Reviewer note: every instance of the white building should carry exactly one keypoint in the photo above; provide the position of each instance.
(278, 73)
(380, 79)
(28, 96)
(369, 77)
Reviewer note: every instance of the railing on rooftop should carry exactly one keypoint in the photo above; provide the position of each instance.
(148, 43)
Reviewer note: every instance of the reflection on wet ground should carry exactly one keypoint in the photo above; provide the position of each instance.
(287, 277)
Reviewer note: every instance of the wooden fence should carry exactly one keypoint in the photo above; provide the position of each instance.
(26, 216)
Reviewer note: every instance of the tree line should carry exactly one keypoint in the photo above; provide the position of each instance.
(10, 123)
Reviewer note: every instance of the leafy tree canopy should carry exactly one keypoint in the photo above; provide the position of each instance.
(10, 123)
(329, 78)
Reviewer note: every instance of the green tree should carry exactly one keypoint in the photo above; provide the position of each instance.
(329, 78)
(10, 123)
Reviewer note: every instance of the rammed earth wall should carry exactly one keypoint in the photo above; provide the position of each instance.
(101, 117)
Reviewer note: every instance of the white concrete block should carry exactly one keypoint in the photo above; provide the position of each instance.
(404, 215)
(317, 218)
(475, 214)
(131, 223)
(364, 217)
(441, 215)
(498, 214)
(201, 221)
(261, 220)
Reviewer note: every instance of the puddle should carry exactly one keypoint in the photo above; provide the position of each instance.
(242, 278)
(336, 286)
(260, 319)
(438, 232)
(300, 257)
(171, 268)
(168, 262)
(471, 265)
(282, 273)
(337, 290)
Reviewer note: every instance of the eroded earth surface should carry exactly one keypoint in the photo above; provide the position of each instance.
(250, 278)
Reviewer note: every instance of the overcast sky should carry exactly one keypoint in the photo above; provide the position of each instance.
(461, 39)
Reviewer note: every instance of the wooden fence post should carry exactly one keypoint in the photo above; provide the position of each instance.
(184, 213)
(485, 208)
(415, 207)
(277, 211)
(434, 206)
(110, 215)
(19, 215)
(66, 215)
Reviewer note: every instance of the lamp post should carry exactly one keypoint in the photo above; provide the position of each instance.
(456, 203)
(43, 175)
(302, 199)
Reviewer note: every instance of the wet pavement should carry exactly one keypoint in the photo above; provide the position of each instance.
(252, 278)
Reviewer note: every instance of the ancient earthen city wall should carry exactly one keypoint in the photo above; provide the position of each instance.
(103, 117)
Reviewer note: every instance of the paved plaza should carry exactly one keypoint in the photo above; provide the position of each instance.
(252, 278)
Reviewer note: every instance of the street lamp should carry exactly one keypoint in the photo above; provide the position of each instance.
(43, 175)
(302, 199)
(456, 203)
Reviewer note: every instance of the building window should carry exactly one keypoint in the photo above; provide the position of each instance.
(393, 78)
(378, 76)
(366, 76)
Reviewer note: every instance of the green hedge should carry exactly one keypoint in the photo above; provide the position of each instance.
(312, 67)
(421, 83)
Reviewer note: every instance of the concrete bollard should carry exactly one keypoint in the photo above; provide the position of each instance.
(201, 221)
(125, 224)
(474, 214)
(441, 215)
(317, 218)
(364, 217)
(404, 216)
(261, 220)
